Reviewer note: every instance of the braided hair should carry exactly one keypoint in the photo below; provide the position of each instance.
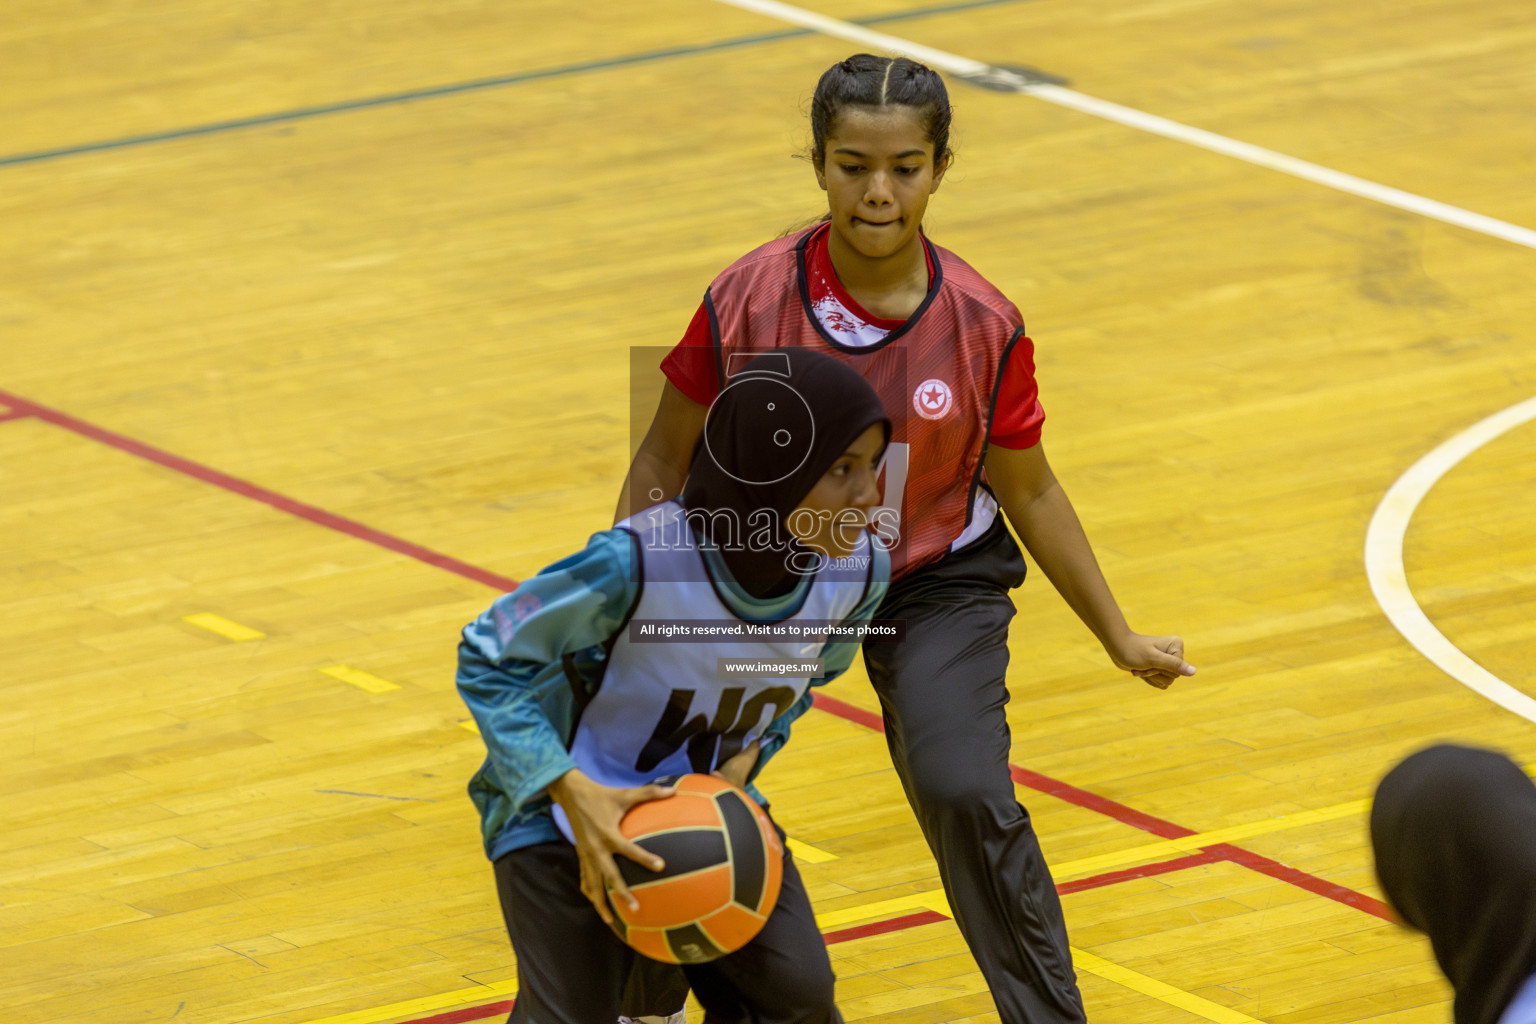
(865, 80)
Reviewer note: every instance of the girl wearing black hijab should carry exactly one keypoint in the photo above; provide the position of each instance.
(1454, 833)
(580, 706)
(763, 454)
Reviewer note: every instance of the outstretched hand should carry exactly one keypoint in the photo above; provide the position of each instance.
(1155, 660)
(595, 811)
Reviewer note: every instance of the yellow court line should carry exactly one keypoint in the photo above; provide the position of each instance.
(1162, 991)
(441, 1001)
(934, 901)
(222, 626)
(360, 679)
(808, 853)
(1159, 990)
(1200, 840)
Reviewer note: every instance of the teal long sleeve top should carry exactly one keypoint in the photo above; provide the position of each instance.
(512, 674)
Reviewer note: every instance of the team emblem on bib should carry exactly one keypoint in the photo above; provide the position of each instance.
(932, 399)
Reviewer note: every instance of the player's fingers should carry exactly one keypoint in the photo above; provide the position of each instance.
(1161, 678)
(640, 855)
(1173, 649)
(617, 890)
(592, 889)
(1171, 664)
(641, 794)
(601, 906)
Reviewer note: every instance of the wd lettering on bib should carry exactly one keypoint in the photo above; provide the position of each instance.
(662, 708)
(710, 742)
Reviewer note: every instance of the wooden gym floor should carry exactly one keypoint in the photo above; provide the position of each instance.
(315, 330)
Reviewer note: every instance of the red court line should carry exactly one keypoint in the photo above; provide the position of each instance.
(246, 489)
(1034, 780)
(895, 924)
(1194, 860)
(1300, 879)
(1103, 804)
(14, 414)
(467, 1013)
(844, 710)
(1139, 819)
(1024, 777)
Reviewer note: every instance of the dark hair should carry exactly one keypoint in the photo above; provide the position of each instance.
(865, 80)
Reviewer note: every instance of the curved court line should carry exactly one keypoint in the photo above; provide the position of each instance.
(475, 85)
(1384, 558)
(976, 70)
(997, 77)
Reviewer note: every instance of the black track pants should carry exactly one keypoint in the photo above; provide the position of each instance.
(571, 969)
(943, 692)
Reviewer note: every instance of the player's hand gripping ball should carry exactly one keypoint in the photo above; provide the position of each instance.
(724, 864)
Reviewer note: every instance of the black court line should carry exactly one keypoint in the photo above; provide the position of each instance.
(475, 85)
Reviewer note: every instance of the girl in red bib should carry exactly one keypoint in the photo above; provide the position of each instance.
(948, 355)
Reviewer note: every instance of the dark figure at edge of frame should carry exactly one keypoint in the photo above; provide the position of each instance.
(1454, 833)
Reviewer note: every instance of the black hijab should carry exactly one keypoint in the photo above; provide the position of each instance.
(780, 423)
(1454, 830)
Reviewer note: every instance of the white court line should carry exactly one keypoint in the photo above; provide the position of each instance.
(965, 67)
(1384, 539)
(1384, 558)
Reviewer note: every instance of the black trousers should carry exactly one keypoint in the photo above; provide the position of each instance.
(571, 969)
(943, 691)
